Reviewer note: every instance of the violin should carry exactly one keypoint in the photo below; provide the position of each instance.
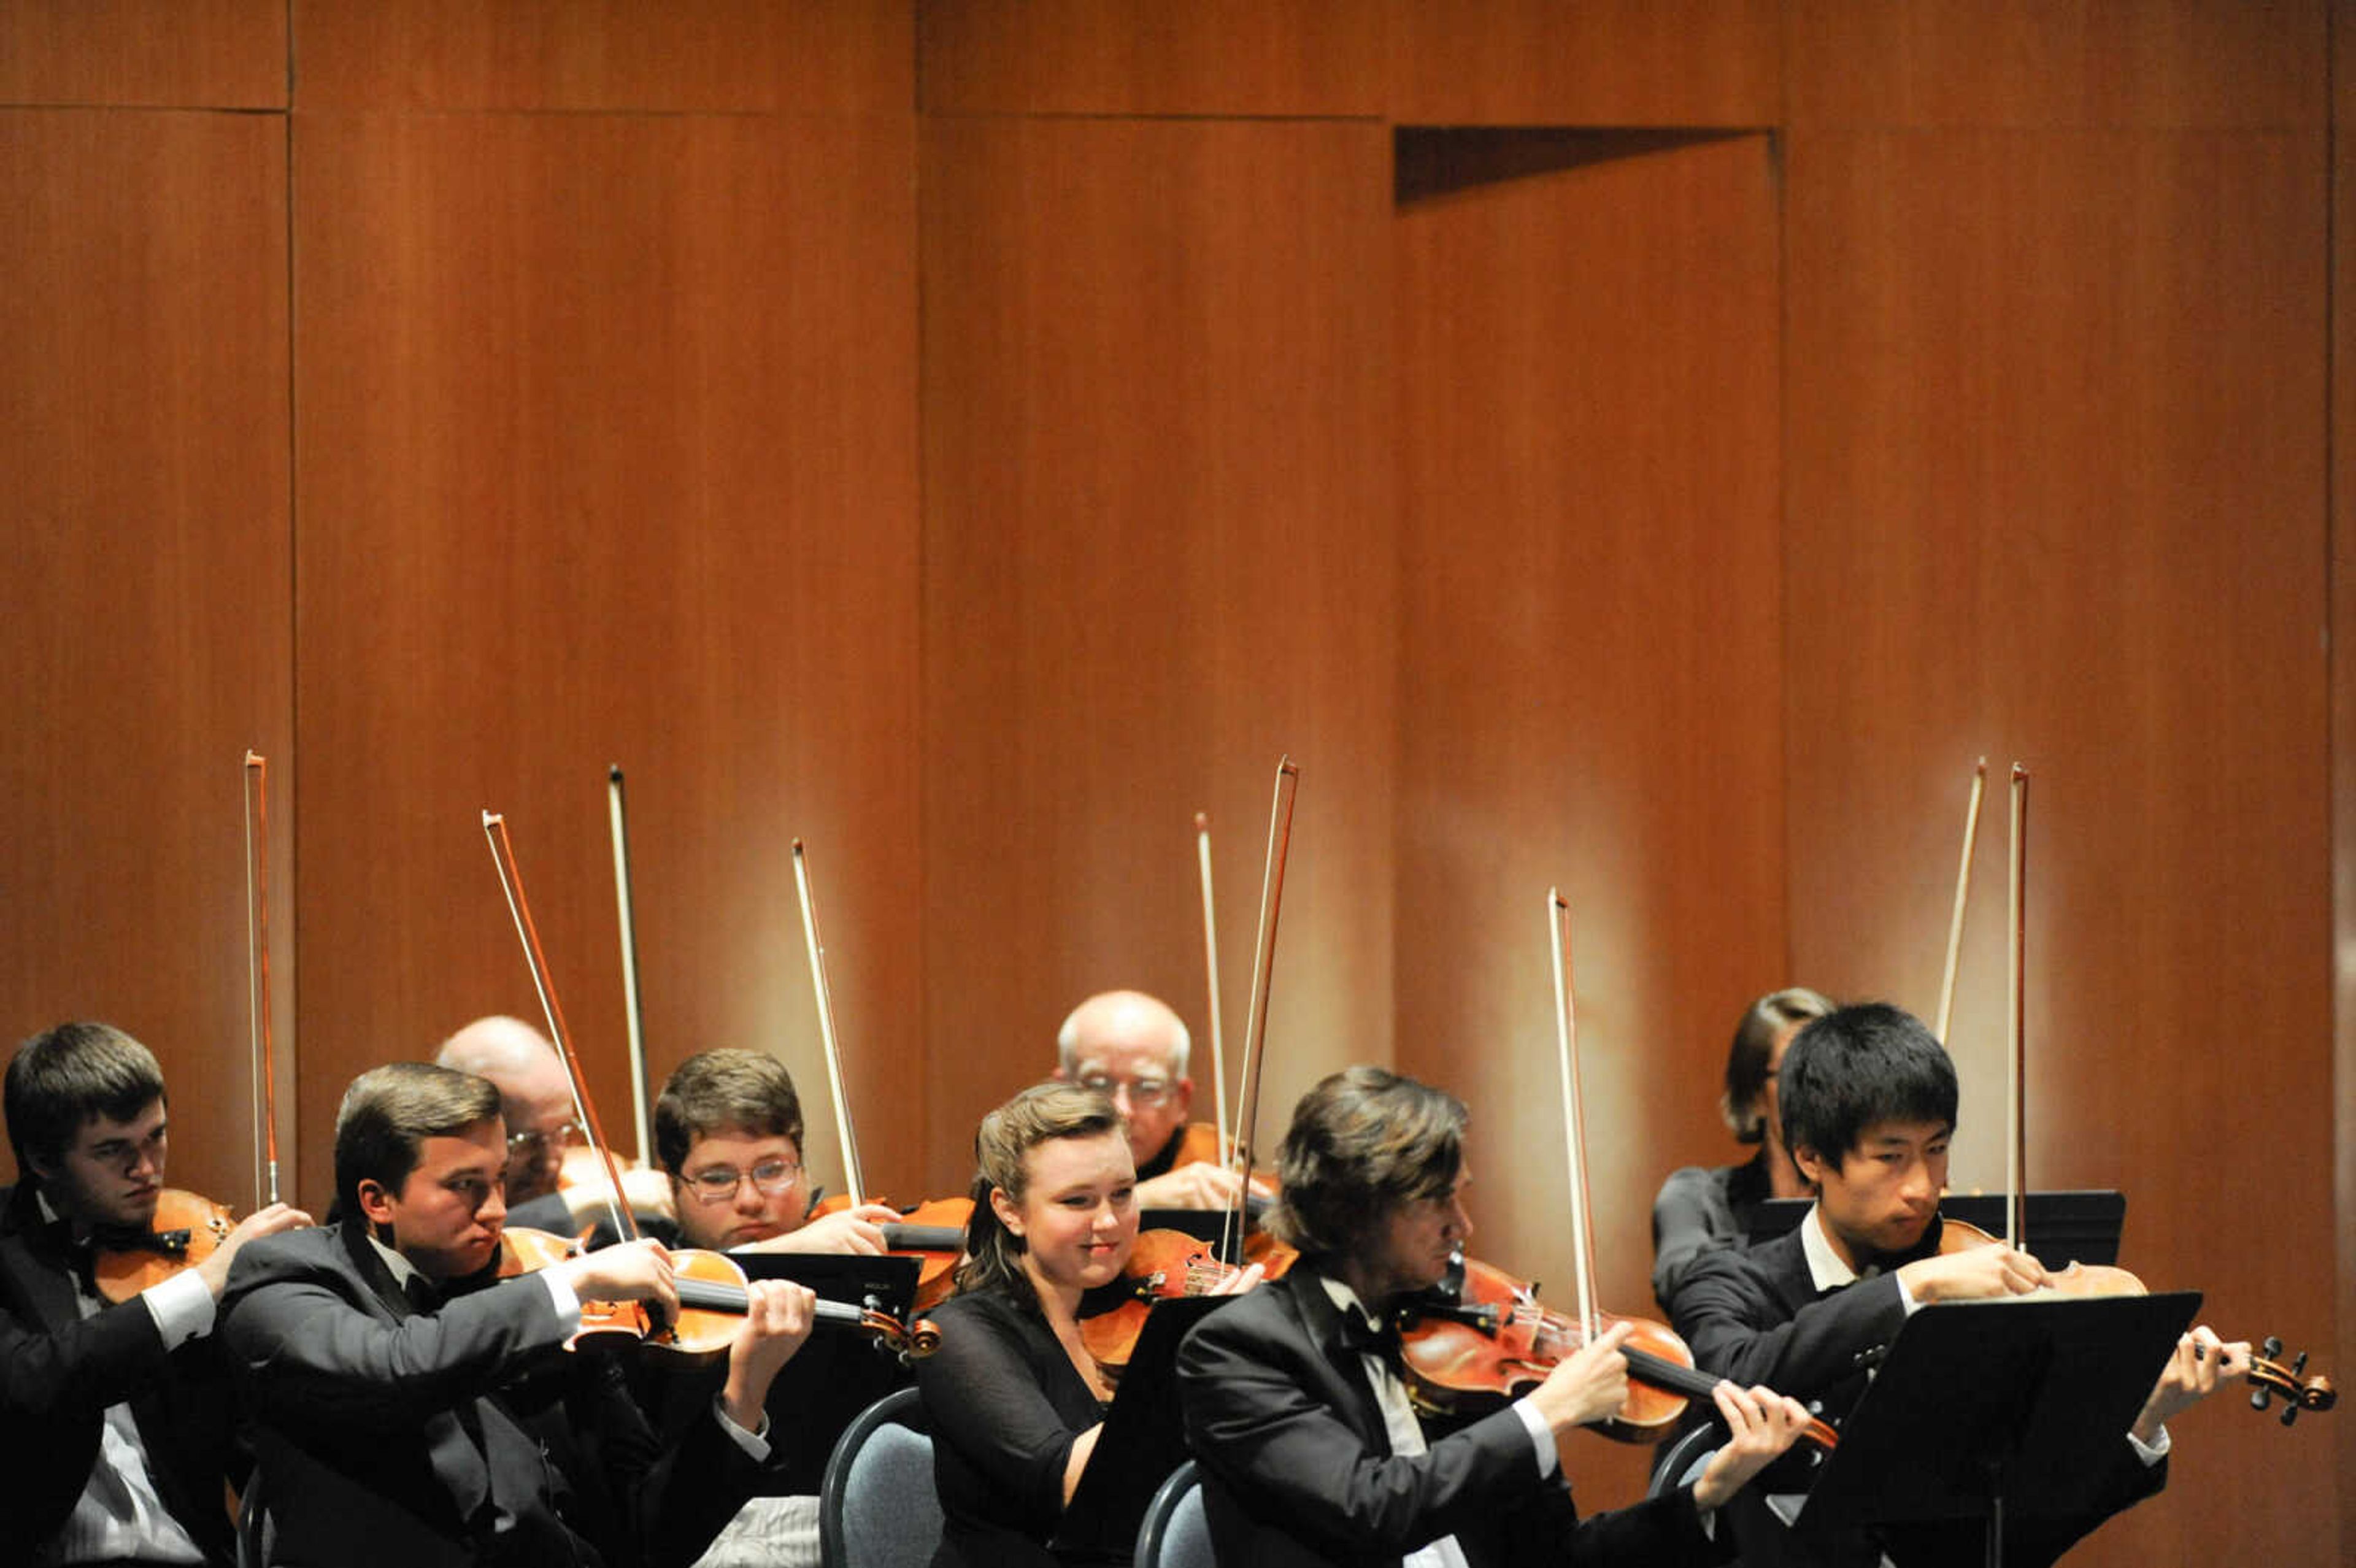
(713, 1296)
(186, 1230)
(1164, 1266)
(1478, 1341)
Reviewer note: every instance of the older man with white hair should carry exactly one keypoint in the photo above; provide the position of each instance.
(1134, 1048)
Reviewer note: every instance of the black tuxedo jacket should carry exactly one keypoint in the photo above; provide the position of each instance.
(1298, 1470)
(59, 1374)
(1755, 1316)
(460, 1435)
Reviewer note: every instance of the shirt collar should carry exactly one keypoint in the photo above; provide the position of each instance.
(1825, 1268)
(403, 1270)
(1345, 1299)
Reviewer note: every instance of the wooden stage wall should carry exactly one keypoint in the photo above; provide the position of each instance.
(1645, 448)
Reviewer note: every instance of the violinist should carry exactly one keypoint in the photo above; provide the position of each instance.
(1134, 1048)
(536, 1100)
(117, 1417)
(728, 1133)
(1014, 1399)
(413, 1408)
(1869, 1101)
(1701, 1207)
(1294, 1402)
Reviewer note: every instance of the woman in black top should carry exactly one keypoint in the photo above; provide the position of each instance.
(1015, 1400)
(1702, 1208)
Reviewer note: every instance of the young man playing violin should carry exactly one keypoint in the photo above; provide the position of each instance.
(414, 1408)
(1296, 1409)
(115, 1420)
(728, 1136)
(1869, 1099)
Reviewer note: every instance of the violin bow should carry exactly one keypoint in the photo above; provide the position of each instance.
(1211, 975)
(854, 1189)
(618, 817)
(1271, 898)
(2016, 1200)
(1582, 1242)
(257, 975)
(495, 828)
(1962, 894)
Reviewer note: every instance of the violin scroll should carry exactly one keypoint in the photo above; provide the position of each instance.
(2269, 1378)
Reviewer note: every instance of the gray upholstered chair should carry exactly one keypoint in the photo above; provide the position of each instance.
(877, 1505)
(1175, 1534)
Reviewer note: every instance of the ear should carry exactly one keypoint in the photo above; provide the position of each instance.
(1812, 1165)
(46, 1170)
(1009, 1214)
(376, 1201)
(1183, 1097)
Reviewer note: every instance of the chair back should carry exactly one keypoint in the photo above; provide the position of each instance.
(877, 1505)
(1174, 1533)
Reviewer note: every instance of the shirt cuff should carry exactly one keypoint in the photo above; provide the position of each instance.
(1541, 1436)
(756, 1444)
(1905, 1296)
(2150, 1453)
(566, 1300)
(182, 1306)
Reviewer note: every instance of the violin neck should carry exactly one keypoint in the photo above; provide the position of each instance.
(707, 1296)
(1645, 1367)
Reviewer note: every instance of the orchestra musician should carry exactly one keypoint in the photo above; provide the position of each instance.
(1701, 1207)
(728, 1133)
(1869, 1103)
(536, 1100)
(414, 1408)
(1297, 1412)
(117, 1418)
(1134, 1048)
(1015, 1400)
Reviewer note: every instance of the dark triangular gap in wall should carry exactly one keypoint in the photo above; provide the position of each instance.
(1433, 161)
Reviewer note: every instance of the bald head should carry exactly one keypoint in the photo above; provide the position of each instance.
(1135, 1048)
(535, 1096)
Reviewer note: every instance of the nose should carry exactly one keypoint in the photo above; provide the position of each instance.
(495, 1204)
(748, 1194)
(1918, 1188)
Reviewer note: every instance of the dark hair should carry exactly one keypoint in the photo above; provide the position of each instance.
(1362, 1142)
(715, 1091)
(1754, 1043)
(1856, 1066)
(1040, 1113)
(389, 1111)
(63, 1076)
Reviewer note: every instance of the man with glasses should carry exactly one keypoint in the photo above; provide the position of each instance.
(1133, 1047)
(536, 1100)
(728, 1133)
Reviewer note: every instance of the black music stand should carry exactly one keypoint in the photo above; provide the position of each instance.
(1996, 1410)
(1144, 1438)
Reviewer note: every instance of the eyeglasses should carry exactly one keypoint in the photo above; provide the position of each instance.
(1143, 1092)
(722, 1182)
(564, 1135)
